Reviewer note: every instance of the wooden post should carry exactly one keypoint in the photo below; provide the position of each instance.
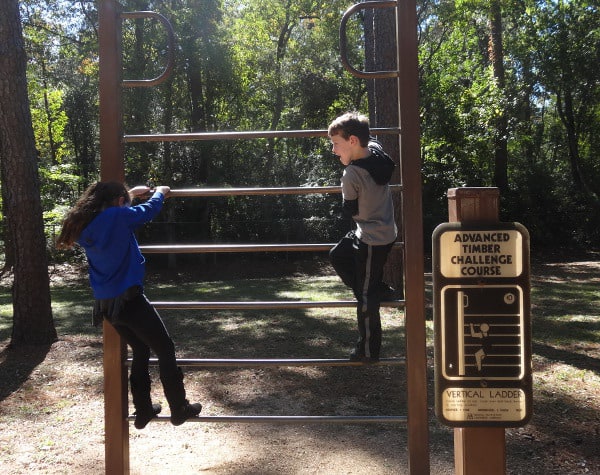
(412, 227)
(116, 427)
(477, 450)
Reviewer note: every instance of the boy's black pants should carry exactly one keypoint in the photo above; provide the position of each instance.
(360, 266)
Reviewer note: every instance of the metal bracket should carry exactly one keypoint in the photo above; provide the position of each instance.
(343, 40)
(170, 50)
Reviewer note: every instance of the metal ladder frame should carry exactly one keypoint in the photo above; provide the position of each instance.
(112, 142)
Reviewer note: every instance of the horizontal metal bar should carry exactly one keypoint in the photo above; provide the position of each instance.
(238, 135)
(217, 248)
(205, 248)
(253, 363)
(265, 305)
(291, 419)
(297, 190)
(293, 190)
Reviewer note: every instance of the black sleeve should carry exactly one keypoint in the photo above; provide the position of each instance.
(350, 207)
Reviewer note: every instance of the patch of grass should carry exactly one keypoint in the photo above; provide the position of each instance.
(292, 333)
(6, 313)
(565, 311)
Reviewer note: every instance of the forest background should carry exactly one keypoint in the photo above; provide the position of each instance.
(509, 97)
(528, 128)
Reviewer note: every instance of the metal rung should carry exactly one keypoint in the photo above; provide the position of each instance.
(205, 248)
(291, 419)
(290, 190)
(266, 305)
(236, 362)
(208, 248)
(267, 134)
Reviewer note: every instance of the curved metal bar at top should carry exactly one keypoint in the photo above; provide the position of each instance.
(248, 135)
(343, 40)
(170, 50)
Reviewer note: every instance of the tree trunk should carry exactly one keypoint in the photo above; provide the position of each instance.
(9, 259)
(32, 312)
(496, 55)
(380, 55)
(564, 105)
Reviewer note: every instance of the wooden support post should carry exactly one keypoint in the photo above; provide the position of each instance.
(412, 225)
(116, 427)
(477, 450)
(110, 73)
(473, 205)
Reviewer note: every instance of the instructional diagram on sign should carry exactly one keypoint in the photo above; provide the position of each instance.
(480, 343)
(482, 326)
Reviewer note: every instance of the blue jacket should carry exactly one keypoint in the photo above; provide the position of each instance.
(114, 257)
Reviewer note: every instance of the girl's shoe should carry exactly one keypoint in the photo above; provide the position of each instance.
(143, 417)
(182, 414)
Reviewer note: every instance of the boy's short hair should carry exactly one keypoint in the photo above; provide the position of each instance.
(351, 123)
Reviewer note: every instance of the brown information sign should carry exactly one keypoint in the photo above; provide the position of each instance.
(482, 325)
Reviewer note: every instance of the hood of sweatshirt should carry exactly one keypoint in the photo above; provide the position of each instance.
(98, 233)
(379, 164)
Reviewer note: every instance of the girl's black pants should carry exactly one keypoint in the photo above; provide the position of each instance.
(140, 325)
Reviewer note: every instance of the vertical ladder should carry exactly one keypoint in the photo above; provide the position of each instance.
(112, 140)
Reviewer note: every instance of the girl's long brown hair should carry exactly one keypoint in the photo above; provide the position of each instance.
(95, 199)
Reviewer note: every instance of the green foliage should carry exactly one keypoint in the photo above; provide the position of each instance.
(260, 65)
(551, 100)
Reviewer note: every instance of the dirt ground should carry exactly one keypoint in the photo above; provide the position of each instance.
(51, 416)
